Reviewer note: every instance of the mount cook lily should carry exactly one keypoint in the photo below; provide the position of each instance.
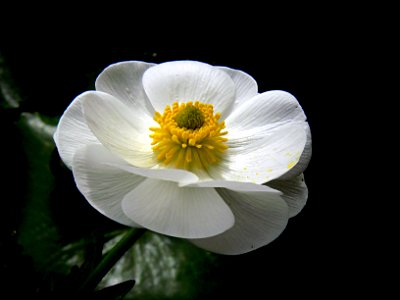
(189, 150)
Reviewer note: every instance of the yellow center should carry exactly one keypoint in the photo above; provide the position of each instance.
(189, 137)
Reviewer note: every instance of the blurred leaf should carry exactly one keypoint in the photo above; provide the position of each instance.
(165, 268)
(117, 291)
(9, 96)
(37, 232)
(107, 261)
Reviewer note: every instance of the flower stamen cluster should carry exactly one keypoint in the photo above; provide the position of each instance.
(190, 136)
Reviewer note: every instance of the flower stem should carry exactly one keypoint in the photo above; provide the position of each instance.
(110, 259)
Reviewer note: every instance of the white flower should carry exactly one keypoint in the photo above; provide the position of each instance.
(189, 150)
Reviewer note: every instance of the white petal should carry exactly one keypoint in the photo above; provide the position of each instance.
(258, 156)
(265, 109)
(122, 130)
(304, 158)
(235, 186)
(295, 193)
(124, 81)
(246, 86)
(72, 132)
(184, 212)
(269, 111)
(182, 177)
(260, 217)
(102, 184)
(185, 81)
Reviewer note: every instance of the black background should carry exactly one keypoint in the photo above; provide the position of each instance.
(325, 250)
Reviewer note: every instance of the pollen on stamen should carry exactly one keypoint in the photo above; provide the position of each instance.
(189, 136)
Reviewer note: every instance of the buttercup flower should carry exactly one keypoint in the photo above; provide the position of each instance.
(189, 150)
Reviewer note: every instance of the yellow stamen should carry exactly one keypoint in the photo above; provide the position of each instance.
(189, 136)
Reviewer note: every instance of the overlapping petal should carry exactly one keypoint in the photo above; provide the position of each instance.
(265, 109)
(260, 217)
(245, 85)
(185, 212)
(105, 179)
(185, 81)
(294, 192)
(258, 156)
(102, 182)
(72, 131)
(124, 81)
(305, 157)
(122, 130)
(266, 112)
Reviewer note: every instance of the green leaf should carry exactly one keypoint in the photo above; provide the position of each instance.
(38, 233)
(165, 268)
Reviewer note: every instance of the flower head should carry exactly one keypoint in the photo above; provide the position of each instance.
(189, 150)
